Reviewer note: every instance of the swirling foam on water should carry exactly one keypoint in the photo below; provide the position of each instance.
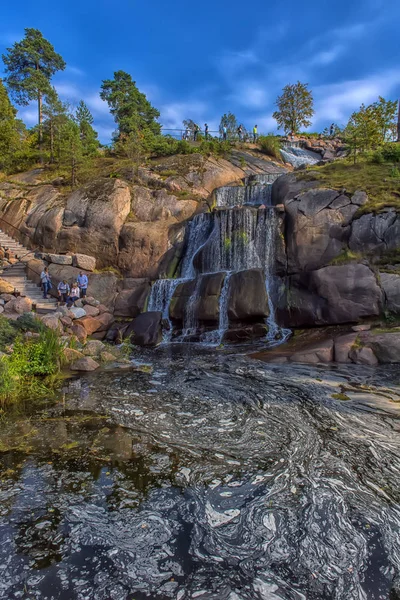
(230, 480)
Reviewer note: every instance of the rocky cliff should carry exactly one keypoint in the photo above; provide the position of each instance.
(341, 262)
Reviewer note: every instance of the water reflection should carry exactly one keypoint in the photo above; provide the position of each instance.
(210, 477)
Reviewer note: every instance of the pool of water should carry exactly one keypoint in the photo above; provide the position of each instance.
(205, 475)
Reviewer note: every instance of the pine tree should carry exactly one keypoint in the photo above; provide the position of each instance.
(71, 149)
(128, 105)
(30, 65)
(230, 122)
(84, 118)
(10, 129)
(55, 113)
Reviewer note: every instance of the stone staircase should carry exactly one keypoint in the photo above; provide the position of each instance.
(16, 276)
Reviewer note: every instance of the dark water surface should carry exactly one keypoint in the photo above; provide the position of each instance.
(212, 477)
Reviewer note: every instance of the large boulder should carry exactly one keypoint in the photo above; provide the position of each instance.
(146, 329)
(131, 302)
(83, 261)
(386, 346)
(374, 233)
(391, 287)
(93, 218)
(329, 296)
(19, 305)
(59, 259)
(85, 364)
(247, 296)
(203, 294)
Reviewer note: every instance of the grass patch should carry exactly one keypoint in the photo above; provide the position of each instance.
(341, 396)
(346, 256)
(375, 179)
(114, 270)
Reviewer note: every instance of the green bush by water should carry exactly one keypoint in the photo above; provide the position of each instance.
(31, 369)
(269, 144)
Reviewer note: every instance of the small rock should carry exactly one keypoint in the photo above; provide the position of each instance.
(85, 364)
(7, 297)
(91, 324)
(361, 327)
(360, 198)
(91, 301)
(52, 322)
(72, 355)
(91, 311)
(78, 303)
(6, 287)
(93, 348)
(66, 321)
(363, 356)
(107, 357)
(79, 331)
(77, 312)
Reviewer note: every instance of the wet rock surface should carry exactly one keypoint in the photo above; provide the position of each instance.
(205, 476)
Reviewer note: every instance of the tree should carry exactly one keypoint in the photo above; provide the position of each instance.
(398, 123)
(84, 118)
(136, 144)
(383, 113)
(71, 148)
(9, 134)
(30, 65)
(55, 113)
(230, 122)
(295, 108)
(129, 106)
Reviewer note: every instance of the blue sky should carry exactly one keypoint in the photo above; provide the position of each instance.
(199, 60)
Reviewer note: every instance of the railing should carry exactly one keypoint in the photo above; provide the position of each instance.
(190, 136)
(2, 220)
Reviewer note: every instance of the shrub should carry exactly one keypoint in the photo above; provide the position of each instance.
(391, 152)
(30, 369)
(8, 333)
(269, 144)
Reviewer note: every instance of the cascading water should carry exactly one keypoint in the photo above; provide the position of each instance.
(299, 156)
(237, 237)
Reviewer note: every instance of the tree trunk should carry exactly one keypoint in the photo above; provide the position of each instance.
(40, 126)
(73, 172)
(51, 142)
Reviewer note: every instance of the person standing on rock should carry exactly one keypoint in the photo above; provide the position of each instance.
(255, 133)
(195, 132)
(63, 291)
(45, 280)
(332, 129)
(224, 133)
(240, 132)
(206, 131)
(83, 283)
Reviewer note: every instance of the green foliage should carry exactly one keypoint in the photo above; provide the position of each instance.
(270, 145)
(55, 113)
(371, 127)
(130, 108)
(31, 367)
(395, 172)
(71, 153)
(345, 257)
(11, 130)
(8, 333)
(28, 322)
(84, 118)
(30, 65)
(391, 152)
(295, 107)
(229, 121)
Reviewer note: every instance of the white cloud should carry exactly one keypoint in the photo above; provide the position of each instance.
(337, 101)
(68, 91)
(173, 114)
(74, 71)
(96, 104)
(327, 57)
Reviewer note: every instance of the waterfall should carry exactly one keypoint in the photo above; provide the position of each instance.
(298, 157)
(217, 336)
(240, 235)
(256, 191)
(160, 298)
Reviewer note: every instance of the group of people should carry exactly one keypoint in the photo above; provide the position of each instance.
(241, 133)
(66, 293)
